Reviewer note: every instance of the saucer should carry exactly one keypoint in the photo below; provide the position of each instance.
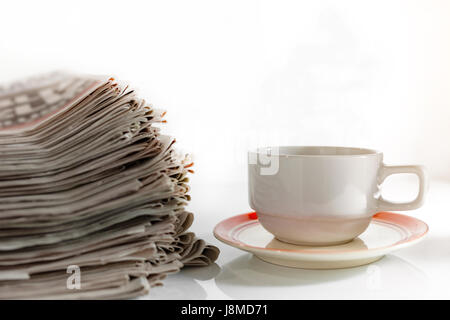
(387, 232)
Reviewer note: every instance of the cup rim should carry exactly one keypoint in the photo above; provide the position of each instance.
(358, 152)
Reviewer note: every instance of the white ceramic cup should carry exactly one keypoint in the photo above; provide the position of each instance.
(321, 195)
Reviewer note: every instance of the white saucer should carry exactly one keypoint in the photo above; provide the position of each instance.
(387, 232)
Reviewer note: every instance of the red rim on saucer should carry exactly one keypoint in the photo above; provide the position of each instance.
(387, 232)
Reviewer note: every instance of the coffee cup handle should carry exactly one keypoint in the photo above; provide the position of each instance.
(384, 205)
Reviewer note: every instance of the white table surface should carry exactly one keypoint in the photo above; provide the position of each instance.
(418, 272)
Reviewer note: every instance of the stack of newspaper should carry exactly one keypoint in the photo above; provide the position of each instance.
(92, 196)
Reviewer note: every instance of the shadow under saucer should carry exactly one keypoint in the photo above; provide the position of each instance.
(388, 277)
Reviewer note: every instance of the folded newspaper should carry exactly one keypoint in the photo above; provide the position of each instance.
(92, 196)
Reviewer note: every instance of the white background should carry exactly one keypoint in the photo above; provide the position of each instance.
(234, 75)
(238, 74)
